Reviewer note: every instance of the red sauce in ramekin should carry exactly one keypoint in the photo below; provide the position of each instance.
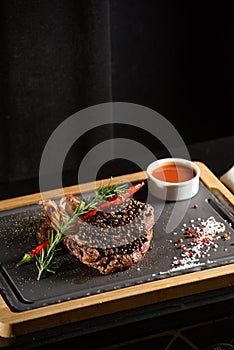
(171, 172)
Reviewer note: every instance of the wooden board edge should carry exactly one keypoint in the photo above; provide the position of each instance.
(13, 324)
(207, 177)
(216, 187)
(21, 201)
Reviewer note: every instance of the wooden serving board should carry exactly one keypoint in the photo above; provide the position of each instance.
(18, 323)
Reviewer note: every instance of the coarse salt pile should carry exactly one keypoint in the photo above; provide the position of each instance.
(197, 242)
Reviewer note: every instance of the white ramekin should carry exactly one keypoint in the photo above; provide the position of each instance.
(173, 191)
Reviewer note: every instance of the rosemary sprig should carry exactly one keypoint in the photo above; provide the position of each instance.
(47, 260)
(81, 209)
(111, 190)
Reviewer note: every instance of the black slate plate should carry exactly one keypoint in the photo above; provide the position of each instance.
(22, 291)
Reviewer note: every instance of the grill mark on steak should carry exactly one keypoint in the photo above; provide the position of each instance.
(110, 246)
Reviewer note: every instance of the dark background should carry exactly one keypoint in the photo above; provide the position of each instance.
(58, 57)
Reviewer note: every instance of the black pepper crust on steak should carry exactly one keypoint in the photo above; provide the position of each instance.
(116, 240)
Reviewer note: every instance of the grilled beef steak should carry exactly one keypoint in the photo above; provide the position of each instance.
(115, 240)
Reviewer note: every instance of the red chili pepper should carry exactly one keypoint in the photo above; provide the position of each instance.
(28, 257)
(119, 199)
(88, 215)
(37, 250)
(115, 200)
